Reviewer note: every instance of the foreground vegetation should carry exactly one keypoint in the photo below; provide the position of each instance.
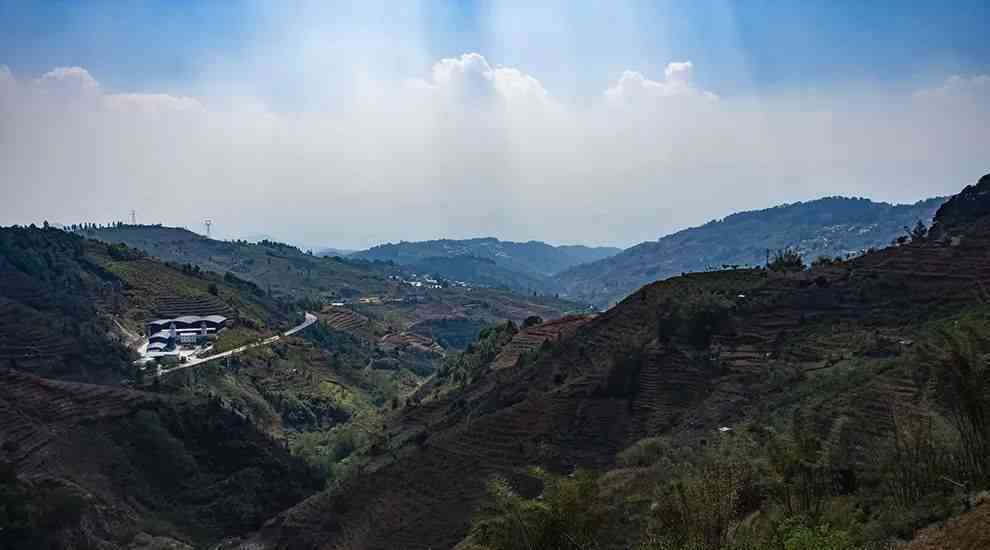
(776, 482)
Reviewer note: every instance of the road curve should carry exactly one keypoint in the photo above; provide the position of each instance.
(309, 319)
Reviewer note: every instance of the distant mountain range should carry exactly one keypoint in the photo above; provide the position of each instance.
(330, 252)
(532, 257)
(832, 226)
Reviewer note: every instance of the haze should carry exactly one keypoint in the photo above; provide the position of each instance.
(349, 127)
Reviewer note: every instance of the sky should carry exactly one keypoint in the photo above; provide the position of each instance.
(352, 124)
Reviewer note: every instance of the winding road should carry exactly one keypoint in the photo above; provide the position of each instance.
(309, 320)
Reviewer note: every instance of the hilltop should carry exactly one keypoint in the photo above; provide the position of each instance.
(716, 360)
(279, 269)
(833, 227)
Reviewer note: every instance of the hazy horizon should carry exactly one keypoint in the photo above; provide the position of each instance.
(352, 126)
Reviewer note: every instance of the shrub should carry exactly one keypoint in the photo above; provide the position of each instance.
(569, 515)
(699, 509)
(785, 260)
(959, 358)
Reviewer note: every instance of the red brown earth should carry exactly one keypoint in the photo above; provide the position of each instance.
(186, 469)
(618, 378)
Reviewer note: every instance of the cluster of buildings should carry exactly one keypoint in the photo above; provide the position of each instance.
(166, 336)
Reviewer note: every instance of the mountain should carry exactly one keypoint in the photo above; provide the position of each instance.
(532, 258)
(800, 386)
(482, 272)
(68, 305)
(277, 268)
(378, 288)
(87, 463)
(833, 226)
(330, 251)
(90, 466)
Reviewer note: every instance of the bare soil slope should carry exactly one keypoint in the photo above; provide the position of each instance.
(634, 372)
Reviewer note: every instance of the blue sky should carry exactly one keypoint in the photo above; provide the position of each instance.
(350, 124)
(737, 47)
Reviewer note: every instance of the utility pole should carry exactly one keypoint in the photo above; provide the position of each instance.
(133, 217)
(208, 222)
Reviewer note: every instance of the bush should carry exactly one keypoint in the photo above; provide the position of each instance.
(569, 515)
(786, 260)
(958, 357)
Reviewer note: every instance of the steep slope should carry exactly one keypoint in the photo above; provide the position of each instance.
(68, 305)
(679, 358)
(832, 226)
(115, 465)
(532, 258)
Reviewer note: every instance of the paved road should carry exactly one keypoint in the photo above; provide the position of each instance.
(309, 320)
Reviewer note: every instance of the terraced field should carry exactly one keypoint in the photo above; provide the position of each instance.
(347, 320)
(67, 303)
(137, 459)
(36, 412)
(177, 306)
(617, 378)
(24, 336)
(532, 338)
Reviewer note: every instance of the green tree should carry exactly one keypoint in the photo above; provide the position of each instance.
(786, 260)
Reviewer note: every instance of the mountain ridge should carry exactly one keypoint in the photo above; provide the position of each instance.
(830, 226)
(531, 257)
(642, 369)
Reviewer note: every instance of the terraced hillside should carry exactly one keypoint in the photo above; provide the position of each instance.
(347, 320)
(531, 339)
(679, 358)
(130, 462)
(274, 269)
(63, 300)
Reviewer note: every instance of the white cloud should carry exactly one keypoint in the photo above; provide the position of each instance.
(959, 86)
(71, 81)
(65, 85)
(152, 103)
(470, 78)
(471, 149)
(634, 86)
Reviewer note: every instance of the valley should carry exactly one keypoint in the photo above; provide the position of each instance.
(389, 411)
(494, 275)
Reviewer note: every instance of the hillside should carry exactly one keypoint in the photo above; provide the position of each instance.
(279, 269)
(482, 272)
(169, 463)
(68, 305)
(833, 226)
(87, 466)
(680, 362)
(288, 274)
(533, 258)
